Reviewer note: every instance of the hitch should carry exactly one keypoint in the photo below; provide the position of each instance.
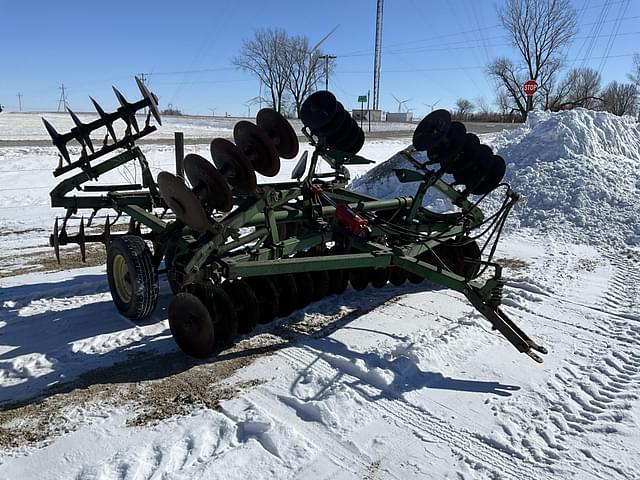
(501, 322)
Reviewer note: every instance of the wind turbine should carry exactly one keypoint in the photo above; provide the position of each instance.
(213, 112)
(432, 105)
(400, 102)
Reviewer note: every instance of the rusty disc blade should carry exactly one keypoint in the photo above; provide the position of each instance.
(208, 184)
(233, 165)
(280, 131)
(182, 201)
(258, 147)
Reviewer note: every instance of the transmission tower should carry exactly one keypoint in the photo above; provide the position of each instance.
(62, 101)
(378, 54)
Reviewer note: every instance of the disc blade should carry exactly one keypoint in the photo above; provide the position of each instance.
(233, 165)
(182, 201)
(209, 186)
(318, 109)
(258, 147)
(431, 130)
(493, 178)
(280, 131)
(338, 121)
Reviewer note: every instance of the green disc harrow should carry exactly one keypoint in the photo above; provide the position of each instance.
(237, 252)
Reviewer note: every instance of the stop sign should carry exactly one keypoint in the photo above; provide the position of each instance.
(530, 87)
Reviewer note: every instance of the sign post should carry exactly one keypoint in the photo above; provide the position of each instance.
(530, 87)
(362, 99)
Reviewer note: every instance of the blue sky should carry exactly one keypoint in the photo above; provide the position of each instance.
(433, 51)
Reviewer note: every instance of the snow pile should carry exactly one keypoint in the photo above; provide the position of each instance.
(381, 182)
(578, 172)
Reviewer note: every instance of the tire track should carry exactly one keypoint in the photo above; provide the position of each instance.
(476, 450)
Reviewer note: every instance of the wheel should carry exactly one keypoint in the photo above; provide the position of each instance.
(304, 287)
(225, 318)
(174, 275)
(359, 278)
(415, 279)
(133, 280)
(397, 275)
(321, 284)
(268, 297)
(245, 302)
(379, 277)
(191, 325)
(288, 293)
(338, 281)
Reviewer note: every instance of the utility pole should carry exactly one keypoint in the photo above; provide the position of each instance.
(19, 102)
(326, 59)
(377, 56)
(62, 101)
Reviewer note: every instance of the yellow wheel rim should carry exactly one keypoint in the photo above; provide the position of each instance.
(122, 278)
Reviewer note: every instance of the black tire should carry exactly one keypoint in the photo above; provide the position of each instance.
(287, 294)
(133, 280)
(415, 279)
(397, 275)
(191, 325)
(321, 284)
(225, 317)
(268, 297)
(379, 277)
(339, 281)
(359, 278)
(245, 302)
(304, 287)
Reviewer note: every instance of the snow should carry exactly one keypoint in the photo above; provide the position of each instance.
(578, 172)
(400, 382)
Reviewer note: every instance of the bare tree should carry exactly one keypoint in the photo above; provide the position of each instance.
(306, 70)
(620, 98)
(463, 108)
(509, 78)
(267, 57)
(483, 106)
(539, 30)
(634, 76)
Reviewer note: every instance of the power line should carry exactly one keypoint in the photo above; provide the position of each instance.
(614, 34)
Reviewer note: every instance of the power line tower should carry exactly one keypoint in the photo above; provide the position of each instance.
(19, 101)
(62, 101)
(377, 56)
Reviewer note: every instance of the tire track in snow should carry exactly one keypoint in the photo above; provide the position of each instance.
(344, 455)
(474, 449)
(591, 391)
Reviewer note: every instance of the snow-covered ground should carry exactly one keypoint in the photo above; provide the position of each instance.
(28, 126)
(401, 382)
